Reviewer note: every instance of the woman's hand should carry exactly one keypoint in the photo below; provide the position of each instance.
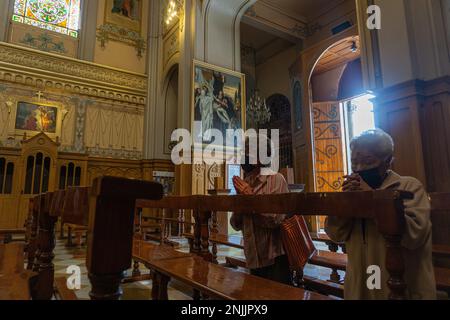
(241, 186)
(355, 183)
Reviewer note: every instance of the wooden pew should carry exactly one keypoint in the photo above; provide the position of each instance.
(151, 255)
(7, 235)
(111, 213)
(112, 216)
(219, 239)
(75, 214)
(386, 207)
(222, 283)
(323, 237)
(32, 228)
(43, 288)
(440, 217)
(14, 279)
(46, 209)
(110, 231)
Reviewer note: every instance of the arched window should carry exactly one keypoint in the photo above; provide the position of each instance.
(37, 174)
(280, 110)
(62, 16)
(69, 175)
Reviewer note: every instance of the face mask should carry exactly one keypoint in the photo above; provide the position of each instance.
(372, 177)
(247, 167)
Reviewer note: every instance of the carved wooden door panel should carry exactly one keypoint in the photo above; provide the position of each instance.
(8, 192)
(38, 171)
(329, 155)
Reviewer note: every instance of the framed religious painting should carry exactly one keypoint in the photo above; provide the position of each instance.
(218, 101)
(31, 118)
(126, 14)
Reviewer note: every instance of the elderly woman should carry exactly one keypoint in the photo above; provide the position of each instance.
(372, 156)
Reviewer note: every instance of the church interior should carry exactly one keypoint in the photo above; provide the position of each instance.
(94, 206)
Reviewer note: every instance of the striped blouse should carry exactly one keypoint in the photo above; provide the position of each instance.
(261, 232)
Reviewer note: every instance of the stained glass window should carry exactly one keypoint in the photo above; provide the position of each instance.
(61, 16)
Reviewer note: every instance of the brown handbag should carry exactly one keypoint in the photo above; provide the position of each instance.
(297, 243)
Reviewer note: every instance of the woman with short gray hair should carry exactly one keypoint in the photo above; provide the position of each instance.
(372, 156)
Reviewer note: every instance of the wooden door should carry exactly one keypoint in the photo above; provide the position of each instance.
(329, 155)
(38, 164)
(8, 192)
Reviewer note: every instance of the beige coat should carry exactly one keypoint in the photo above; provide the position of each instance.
(367, 250)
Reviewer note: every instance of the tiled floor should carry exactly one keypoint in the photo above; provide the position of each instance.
(65, 257)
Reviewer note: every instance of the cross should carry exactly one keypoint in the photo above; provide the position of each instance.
(39, 94)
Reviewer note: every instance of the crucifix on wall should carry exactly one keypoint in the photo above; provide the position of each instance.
(39, 95)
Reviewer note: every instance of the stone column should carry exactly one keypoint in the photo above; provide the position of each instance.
(6, 9)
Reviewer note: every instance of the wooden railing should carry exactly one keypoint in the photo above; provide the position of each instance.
(113, 203)
(385, 207)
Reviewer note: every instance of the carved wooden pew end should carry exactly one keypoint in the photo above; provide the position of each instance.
(110, 231)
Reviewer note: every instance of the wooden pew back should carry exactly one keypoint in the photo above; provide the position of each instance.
(385, 206)
(76, 206)
(108, 209)
(110, 231)
(14, 280)
(440, 217)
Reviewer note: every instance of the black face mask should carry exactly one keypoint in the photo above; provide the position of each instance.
(372, 177)
(247, 167)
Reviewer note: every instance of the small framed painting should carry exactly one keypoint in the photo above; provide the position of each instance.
(35, 117)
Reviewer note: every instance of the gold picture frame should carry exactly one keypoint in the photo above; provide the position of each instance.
(232, 86)
(31, 117)
(122, 18)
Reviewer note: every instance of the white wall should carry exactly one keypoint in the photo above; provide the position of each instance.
(272, 76)
(413, 40)
(394, 44)
(325, 86)
(4, 18)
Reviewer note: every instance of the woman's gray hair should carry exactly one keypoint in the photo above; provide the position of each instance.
(377, 141)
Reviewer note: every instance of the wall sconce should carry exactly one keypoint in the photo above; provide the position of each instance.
(172, 11)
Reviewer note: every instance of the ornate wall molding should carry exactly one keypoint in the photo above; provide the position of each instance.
(171, 45)
(114, 153)
(46, 70)
(44, 42)
(107, 32)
